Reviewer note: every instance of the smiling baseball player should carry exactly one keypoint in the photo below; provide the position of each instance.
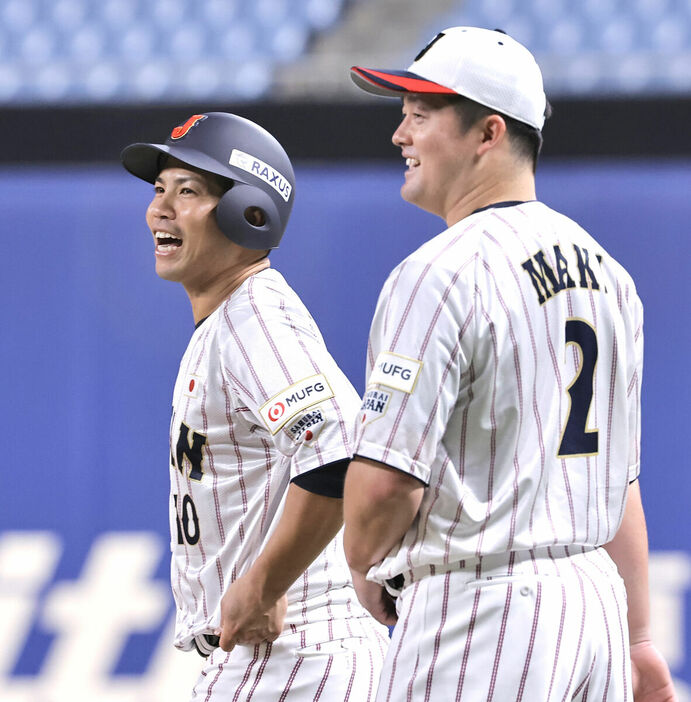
(498, 449)
(259, 435)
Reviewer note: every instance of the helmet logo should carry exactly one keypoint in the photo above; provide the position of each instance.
(180, 131)
(261, 170)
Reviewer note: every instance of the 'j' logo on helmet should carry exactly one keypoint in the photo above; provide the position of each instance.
(180, 131)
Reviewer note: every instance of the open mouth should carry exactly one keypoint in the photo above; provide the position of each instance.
(166, 242)
(412, 162)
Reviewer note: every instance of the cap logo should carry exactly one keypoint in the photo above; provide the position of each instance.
(257, 167)
(429, 46)
(180, 131)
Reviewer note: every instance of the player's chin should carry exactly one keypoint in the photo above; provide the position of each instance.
(166, 271)
(406, 193)
(412, 195)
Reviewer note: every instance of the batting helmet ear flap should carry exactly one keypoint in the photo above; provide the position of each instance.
(237, 217)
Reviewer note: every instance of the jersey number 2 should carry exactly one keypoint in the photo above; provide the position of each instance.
(577, 439)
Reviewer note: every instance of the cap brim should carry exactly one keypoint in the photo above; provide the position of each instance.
(145, 161)
(379, 81)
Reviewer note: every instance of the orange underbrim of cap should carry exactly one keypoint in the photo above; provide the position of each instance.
(393, 83)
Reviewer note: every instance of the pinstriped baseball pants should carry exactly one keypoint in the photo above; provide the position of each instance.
(545, 630)
(315, 662)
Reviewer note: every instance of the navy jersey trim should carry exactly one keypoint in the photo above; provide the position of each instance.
(507, 203)
(326, 480)
(376, 460)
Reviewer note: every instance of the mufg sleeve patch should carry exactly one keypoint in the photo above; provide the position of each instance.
(286, 404)
(395, 371)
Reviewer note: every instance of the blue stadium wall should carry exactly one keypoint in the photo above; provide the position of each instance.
(91, 340)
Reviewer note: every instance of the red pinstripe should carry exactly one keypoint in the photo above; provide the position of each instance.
(246, 676)
(584, 603)
(325, 677)
(608, 452)
(238, 462)
(260, 672)
(533, 346)
(260, 318)
(519, 388)
(349, 688)
(291, 680)
(411, 682)
(466, 648)
(433, 413)
(493, 436)
(394, 658)
(267, 487)
(559, 640)
(212, 684)
(500, 643)
(245, 355)
(557, 374)
(531, 645)
(437, 637)
(584, 685)
(216, 497)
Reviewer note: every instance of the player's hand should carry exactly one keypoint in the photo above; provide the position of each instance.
(375, 599)
(246, 619)
(652, 681)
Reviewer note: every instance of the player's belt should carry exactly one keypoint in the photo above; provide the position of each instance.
(205, 644)
(394, 586)
(528, 562)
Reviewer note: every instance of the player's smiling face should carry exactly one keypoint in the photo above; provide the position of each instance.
(437, 154)
(189, 247)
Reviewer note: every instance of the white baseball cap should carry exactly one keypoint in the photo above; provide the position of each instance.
(484, 65)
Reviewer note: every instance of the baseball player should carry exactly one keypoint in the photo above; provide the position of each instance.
(497, 454)
(259, 435)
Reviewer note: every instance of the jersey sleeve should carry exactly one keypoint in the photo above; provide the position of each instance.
(280, 371)
(634, 392)
(416, 357)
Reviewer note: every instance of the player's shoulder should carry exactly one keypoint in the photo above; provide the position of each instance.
(261, 294)
(453, 249)
(265, 304)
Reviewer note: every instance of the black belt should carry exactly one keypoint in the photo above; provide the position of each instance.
(206, 643)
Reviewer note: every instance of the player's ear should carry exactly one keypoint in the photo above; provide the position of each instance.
(492, 132)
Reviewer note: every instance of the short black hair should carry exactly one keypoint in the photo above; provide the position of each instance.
(526, 140)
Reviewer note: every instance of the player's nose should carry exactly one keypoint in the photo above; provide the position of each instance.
(401, 136)
(161, 207)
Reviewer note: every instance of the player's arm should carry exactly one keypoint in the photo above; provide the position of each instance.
(380, 504)
(253, 607)
(652, 681)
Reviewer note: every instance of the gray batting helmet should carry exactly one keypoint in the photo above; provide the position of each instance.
(234, 148)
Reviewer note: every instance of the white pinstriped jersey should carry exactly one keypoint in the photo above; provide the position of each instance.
(258, 401)
(504, 370)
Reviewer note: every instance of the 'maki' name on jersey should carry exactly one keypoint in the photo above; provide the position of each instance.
(504, 371)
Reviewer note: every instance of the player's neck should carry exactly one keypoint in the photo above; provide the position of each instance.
(204, 301)
(520, 187)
